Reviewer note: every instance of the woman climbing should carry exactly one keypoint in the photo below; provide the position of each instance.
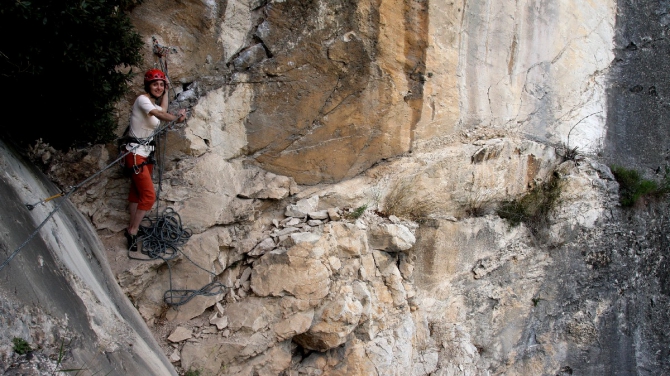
(144, 119)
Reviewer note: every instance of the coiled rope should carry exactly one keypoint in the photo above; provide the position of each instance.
(162, 239)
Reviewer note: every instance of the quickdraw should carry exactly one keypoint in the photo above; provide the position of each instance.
(137, 168)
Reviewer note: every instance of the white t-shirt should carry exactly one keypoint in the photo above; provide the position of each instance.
(142, 125)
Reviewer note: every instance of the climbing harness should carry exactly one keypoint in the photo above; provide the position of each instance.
(137, 168)
(122, 145)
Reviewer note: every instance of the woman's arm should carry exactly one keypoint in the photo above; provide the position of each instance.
(166, 116)
(164, 97)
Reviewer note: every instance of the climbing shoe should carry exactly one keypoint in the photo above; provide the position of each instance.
(132, 241)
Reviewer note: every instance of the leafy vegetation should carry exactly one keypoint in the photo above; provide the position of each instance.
(358, 212)
(192, 373)
(21, 346)
(533, 208)
(60, 65)
(632, 186)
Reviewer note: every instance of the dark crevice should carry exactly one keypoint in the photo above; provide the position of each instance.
(416, 43)
(258, 40)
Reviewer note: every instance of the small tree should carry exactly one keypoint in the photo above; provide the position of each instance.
(59, 67)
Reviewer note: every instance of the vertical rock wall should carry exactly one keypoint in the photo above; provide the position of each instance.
(536, 67)
(336, 92)
(637, 121)
(338, 86)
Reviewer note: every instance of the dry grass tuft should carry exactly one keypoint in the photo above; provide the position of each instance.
(402, 203)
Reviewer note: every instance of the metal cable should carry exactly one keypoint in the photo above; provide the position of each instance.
(31, 236)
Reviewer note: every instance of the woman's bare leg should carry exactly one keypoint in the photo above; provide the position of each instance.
(132, 207)
(135, 221)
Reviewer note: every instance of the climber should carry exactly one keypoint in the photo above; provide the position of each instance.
(144, 119)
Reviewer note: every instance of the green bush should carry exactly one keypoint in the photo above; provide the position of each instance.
(358, 212)
(534, 207)
(59, 65)
(21, 346)
(632, 186)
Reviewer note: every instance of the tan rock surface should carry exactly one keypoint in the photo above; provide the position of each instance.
(294, 325)
(282, 274)
(180, 334)
(391, 238)
(333, 322)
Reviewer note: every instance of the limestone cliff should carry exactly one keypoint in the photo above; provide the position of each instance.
(343, 166)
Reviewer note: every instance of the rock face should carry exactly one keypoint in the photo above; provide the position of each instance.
(325, 104)
(343, 168)
(638, 83)
(317, 292)
(58, 294)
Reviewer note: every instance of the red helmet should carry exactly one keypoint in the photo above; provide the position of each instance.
(154, 75)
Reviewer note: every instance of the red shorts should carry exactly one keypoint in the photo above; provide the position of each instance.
(141, 186)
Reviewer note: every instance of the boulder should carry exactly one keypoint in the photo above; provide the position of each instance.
(349, 239)
(391, 237)
(332, 323)
(321, 214)
(294, 325)
(220, 322)
(301, 208)
(265, 185)
(284, 274)
(180, 334)
(251, 314)
(305, 237)
(249, 57)
(334, 214)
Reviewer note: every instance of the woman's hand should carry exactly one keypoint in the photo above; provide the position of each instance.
(181, 115)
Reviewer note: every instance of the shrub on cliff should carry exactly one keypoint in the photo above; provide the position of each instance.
(59, 65)
(534, 207)
(632, 186)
